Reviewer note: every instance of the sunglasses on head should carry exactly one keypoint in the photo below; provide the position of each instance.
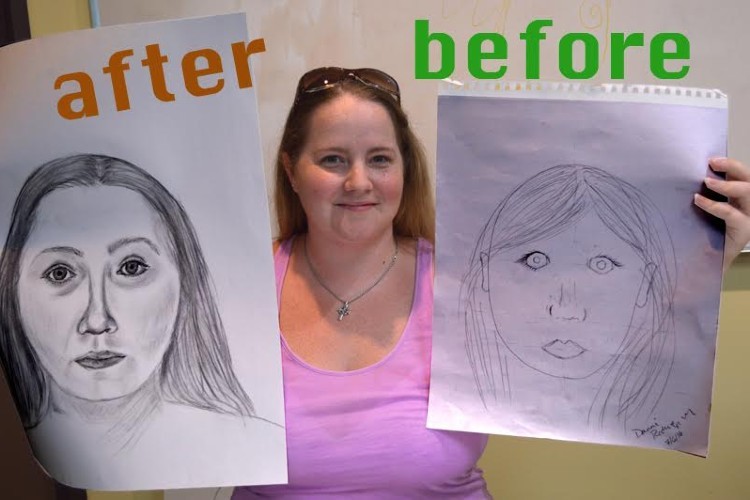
(327, 77)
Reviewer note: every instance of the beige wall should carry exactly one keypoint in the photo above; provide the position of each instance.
(531, 469)
(53, 16)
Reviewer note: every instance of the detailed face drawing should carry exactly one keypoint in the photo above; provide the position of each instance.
(98, 290)
(350, 173)
(564, 304)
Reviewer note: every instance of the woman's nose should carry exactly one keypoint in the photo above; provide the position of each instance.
(358, 177)
(564, 304)
(97, 318)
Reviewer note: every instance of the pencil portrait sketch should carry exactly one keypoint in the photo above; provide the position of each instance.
(570, 287)
(139, 336)
(107, 312)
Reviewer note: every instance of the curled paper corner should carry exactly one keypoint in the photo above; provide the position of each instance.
(452, 81)
(451, 86)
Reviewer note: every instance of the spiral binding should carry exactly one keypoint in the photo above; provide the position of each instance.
(586, 91)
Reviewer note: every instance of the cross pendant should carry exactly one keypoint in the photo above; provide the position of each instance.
(343, 310)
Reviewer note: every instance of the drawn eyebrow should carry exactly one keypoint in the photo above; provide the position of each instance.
(72, 250)
(127, 241)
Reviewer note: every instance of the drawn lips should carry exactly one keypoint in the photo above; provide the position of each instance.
(97, 360)
(563, 349)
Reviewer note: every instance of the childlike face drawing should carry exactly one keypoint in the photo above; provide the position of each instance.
(563, 305)
(98, 290)
(350, 173)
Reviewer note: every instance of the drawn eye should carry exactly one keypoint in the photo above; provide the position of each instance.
(59, 274)
(132, 267)
(534, 260)
(602, 264)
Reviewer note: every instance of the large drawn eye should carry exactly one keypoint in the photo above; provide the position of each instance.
(59, 274)
(602, 264)
(534, 260)
(132, 267)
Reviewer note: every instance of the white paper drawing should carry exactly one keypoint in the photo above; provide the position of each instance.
(138, 325)
(577, 287)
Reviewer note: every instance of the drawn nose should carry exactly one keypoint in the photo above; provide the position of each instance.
(97, 318)
(358, 178)
(564, 304)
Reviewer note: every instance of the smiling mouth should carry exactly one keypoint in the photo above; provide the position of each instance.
(357, 205)
(563, 349)
(97, 360)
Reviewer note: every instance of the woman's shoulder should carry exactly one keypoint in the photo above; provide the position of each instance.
(414, 246)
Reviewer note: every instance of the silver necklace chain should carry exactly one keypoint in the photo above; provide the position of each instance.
(344, 309)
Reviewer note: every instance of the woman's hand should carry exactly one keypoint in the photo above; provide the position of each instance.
(736, 212)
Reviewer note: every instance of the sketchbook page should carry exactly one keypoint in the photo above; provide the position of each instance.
(577, 287)
(138, 317)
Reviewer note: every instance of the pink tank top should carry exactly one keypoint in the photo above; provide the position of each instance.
(362, 434)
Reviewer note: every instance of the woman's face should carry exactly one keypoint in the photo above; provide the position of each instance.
(98, 290)
(563, 305)
(350, 174)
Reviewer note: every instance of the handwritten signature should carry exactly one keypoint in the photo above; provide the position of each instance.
(670, 432)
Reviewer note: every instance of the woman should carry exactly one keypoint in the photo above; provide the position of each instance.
(354, 273)
(354, 279)
(569, 303)
(107, 313)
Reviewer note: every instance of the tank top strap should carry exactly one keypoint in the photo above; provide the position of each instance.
(425, 267)
(281, 262)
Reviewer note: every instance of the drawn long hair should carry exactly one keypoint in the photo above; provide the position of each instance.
(196, 369)
(547, 204)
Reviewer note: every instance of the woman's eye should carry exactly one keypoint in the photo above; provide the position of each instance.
(332, 161)
(602, 264)
(534, 260)
(59, 274)
(380, 160)
(132, 268)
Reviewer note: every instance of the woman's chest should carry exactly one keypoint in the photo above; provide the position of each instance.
(370, 429)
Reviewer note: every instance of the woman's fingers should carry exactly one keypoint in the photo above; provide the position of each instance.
(735, 170)
(736, 211)
(723, 210)
(736, 191)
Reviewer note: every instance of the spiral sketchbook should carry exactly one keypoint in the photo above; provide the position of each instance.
(577, 286)
(138, 321)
